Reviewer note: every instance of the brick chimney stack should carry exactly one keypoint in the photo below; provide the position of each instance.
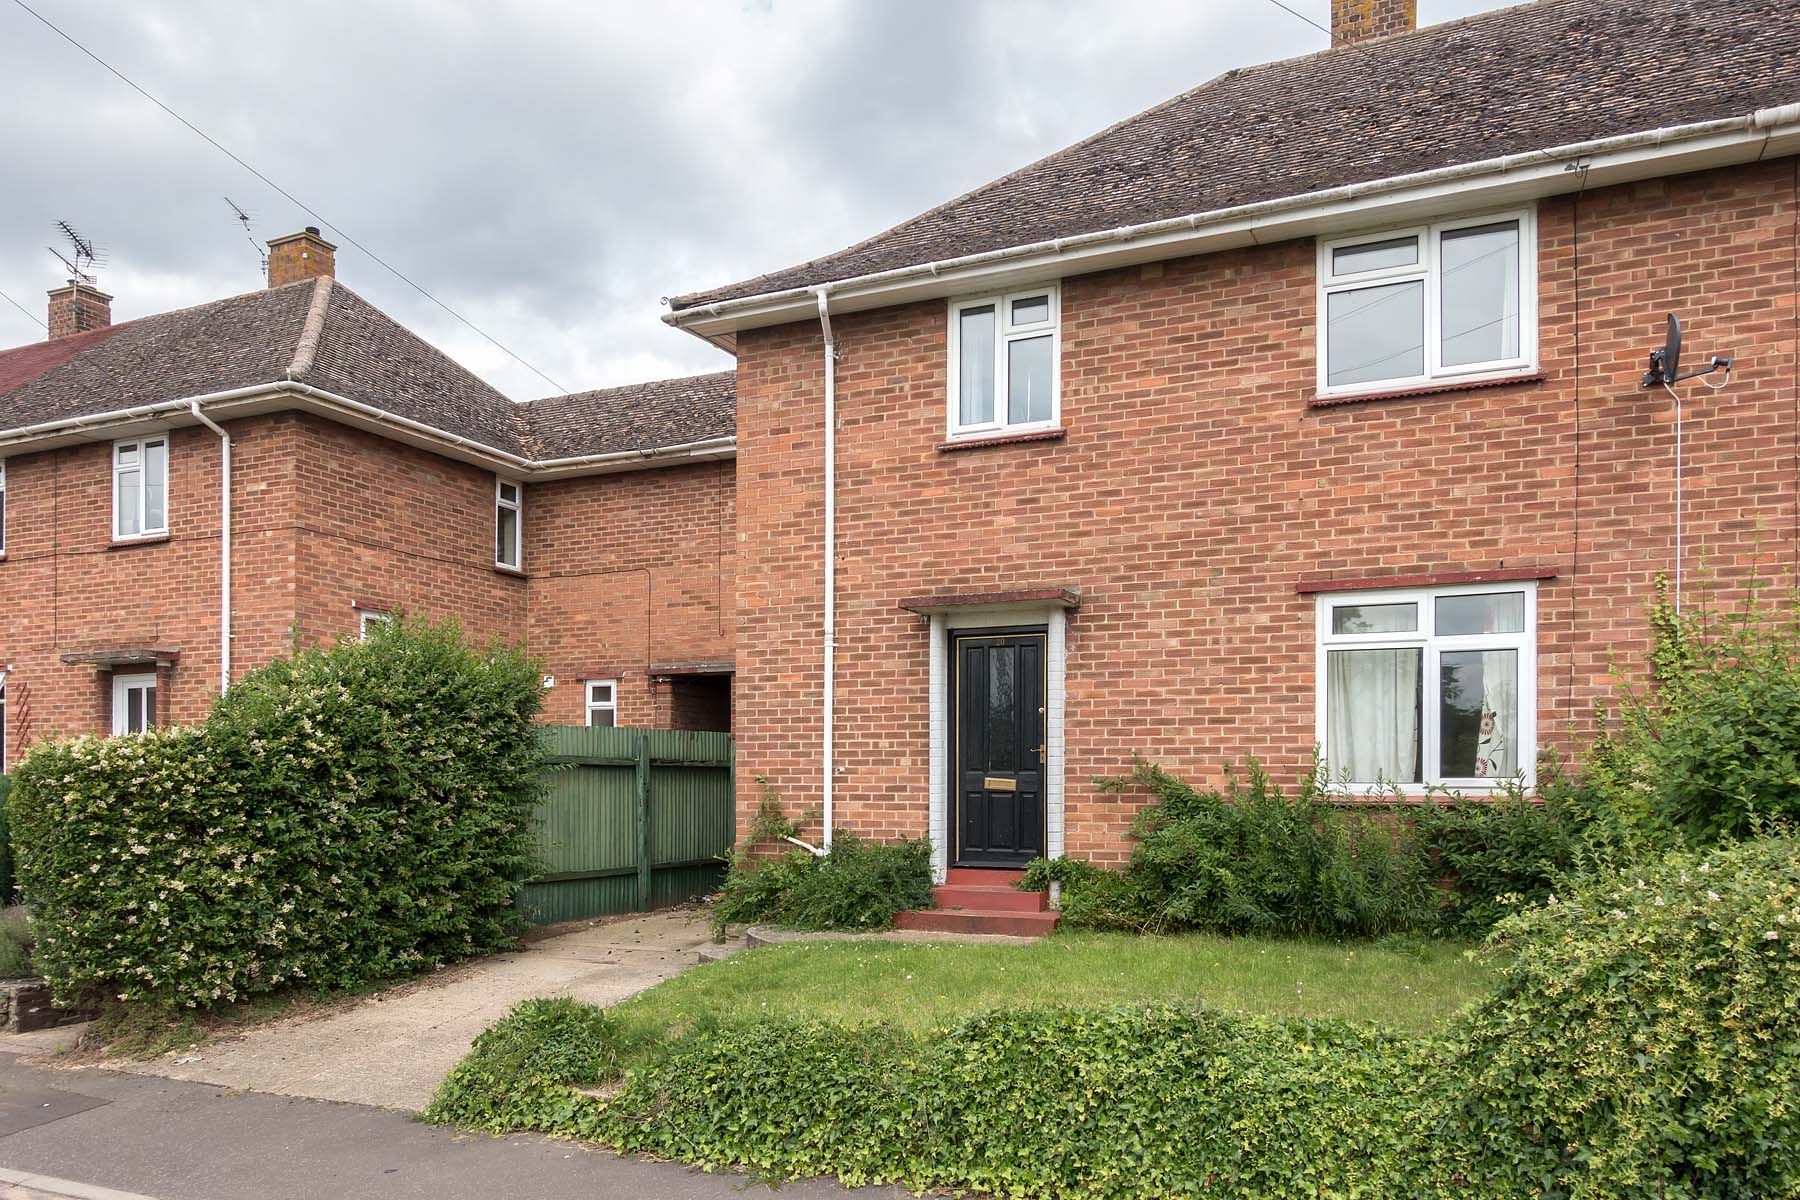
(303, 255)
(77, 308)
(1355, 21)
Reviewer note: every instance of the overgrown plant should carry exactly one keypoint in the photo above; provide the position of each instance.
(857, 884)
(356, 813)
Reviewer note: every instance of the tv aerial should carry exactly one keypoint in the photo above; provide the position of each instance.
(83, 256)
(243, 218)
(1665, 361)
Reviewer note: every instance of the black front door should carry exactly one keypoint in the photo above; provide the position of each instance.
(997, 762)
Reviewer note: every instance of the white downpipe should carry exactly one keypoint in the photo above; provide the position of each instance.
(224, 543)
(830, 555)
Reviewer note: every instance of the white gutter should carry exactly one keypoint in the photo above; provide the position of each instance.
(224, 543)
(1744, 131)
(830, 553)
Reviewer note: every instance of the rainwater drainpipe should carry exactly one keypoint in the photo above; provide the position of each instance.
(224, 543)
(830, 550)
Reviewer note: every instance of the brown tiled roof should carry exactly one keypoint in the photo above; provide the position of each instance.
(1519, 79)
(640, 416)
(323, 334)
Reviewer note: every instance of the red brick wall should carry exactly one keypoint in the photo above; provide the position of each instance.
(630, 572)
(1196, 486)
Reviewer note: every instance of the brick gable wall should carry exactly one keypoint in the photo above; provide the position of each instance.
(1196, 485)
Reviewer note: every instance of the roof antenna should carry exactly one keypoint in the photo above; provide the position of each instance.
(243, 218)
(1665, 372)
(83, 257)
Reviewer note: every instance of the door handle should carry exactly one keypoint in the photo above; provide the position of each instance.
(1040, 753)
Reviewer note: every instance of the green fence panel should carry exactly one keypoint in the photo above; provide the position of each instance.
(630, 819)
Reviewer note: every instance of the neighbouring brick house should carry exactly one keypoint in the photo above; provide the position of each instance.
(368, 474)
(1302, 410)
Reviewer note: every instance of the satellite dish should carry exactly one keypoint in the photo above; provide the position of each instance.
(1665, 362)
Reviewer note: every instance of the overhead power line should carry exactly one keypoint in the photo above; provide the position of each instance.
(1296, 13)
(298, 203)
(28, 313)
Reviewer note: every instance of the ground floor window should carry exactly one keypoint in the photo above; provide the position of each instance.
(133, 703)
(1428, 686)
(603, 702)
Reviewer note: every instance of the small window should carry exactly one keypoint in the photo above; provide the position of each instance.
(2, 513)
(1456, 300)
(134, 703)
(368, 620)
(603, 702)
(507, 524)
(141, 487)
(1004, 363)
(1434, 686)
(2, 722)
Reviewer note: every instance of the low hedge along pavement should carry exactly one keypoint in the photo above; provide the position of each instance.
(1644, 1044)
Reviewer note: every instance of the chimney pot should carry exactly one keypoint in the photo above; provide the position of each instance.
(303, 255)
(77, 308)
(1355, 21)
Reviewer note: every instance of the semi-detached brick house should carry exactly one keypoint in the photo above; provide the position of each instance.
(1302, 410)
(368, 474)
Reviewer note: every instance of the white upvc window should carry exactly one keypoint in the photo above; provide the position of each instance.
(602, 702)
(1454, 301)
(140, 487)
(2, 507)
(368, 620)
(2, 722)
(1429, 686)
(1005, 363)
(134, 703)
(508, 523)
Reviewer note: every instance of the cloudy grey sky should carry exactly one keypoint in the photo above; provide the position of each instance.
(552, 169)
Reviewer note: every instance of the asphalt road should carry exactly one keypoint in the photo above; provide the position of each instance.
(174, 1140)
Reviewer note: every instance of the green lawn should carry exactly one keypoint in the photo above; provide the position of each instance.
(927, 984)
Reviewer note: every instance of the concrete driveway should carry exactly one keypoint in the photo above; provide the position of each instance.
(392, 1049)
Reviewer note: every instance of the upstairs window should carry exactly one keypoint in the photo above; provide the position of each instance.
(603, 702)
(2, 508)
(1004, 363)
(507, 524)
(1438, 303)
(1430, 686)
(140, 487)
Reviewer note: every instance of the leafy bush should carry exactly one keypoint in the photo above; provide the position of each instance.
(1645, 1038)
(15, 943)
(1254, 860)
(1711, 745)
(6, 852)
(517, 1074)
(1499, 855)
(353, 814)
(859, 884)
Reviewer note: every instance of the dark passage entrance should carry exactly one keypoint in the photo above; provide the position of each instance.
(998, 745)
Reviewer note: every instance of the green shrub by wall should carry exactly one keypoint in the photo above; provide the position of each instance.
(859, 884)
(352, 814)
(6, 851)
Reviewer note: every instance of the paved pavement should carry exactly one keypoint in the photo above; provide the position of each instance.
(67, 1133)
(391, 1050)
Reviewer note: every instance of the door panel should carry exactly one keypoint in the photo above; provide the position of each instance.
(998, 759)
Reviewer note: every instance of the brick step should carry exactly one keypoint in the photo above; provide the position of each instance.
(983, 876)
(962, 920)
(990, 899)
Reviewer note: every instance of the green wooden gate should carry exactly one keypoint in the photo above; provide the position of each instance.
(631, 818)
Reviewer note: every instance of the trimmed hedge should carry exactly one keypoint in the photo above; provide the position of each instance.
(1644, 1045)
(352, 814)
(6, 850)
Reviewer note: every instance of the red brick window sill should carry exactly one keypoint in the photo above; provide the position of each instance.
(1429, 389)
(1003, 439)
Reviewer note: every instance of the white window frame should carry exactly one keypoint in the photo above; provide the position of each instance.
(590, 706)
(515, 506)
(1426, 270)
(122, 687)
(140, 444)
(1432, 648)
(1005, 333)
(3, 675)
(368, 618)
(2, 546)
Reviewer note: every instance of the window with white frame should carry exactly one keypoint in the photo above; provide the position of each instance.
(603, 702)
(1436, 303)
(368, 620)
(140, 487)
(2, 722)
(2, 507)
(1428, 686)
(1004, 363)
(134, 703)
(507, 523)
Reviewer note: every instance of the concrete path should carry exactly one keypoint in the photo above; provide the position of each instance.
(392, 1049)
(147, 1137)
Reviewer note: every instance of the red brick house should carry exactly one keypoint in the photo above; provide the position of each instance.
(185, 496)
(1304, 410)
